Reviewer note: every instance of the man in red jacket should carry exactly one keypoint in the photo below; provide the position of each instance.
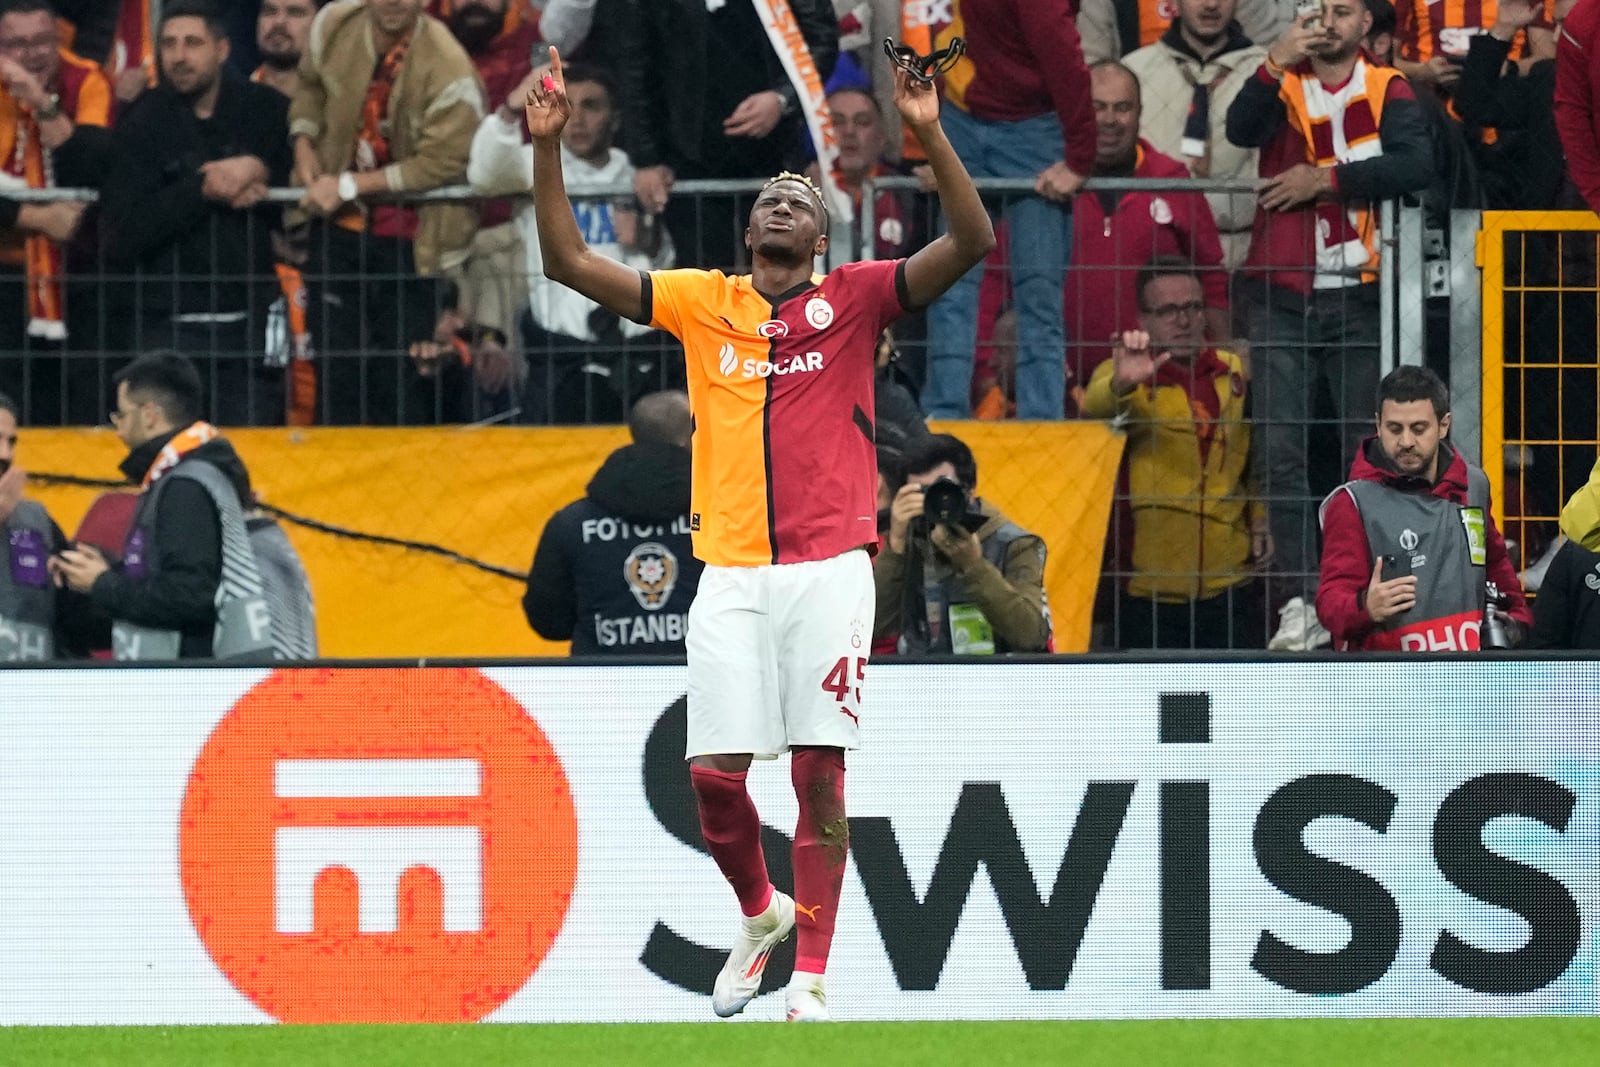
(1577, 82)
(1115, 234)
(1409, 541)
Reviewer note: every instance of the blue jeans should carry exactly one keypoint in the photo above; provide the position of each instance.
(1041, 238)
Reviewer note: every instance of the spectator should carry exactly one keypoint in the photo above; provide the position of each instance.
(973, 586)
(1199, 530)
(387, 103)
(1434, 39)
(1566, 613)
(863, 24)
(281, 32)
(37, 621)
(1116, 234)
(1023, 113)
(186, 199)
(187, 586)
(863, 155)
(615, 572)
(587, 363)
(1312, 265)
(704, 95)
(1454, 182)
(1113, 29)
(1191, 76)
(1521, 163)
(1409, 541)
(499, 36)
(1577, 111)
(897, 420)
(53, 111)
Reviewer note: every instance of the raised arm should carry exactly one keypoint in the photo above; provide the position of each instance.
(566, 258)
(940, 264)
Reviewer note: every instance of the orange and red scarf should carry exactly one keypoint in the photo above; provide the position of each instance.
(86, 97)
(372, 149)
(182, 443)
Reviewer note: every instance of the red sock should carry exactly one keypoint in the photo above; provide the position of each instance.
(732, 830)
(821, 844)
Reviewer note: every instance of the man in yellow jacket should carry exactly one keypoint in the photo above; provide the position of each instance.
(1199, 533)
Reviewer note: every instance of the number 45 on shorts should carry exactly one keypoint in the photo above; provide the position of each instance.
(838, 681)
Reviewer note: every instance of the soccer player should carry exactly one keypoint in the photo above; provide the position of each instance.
(783, 509)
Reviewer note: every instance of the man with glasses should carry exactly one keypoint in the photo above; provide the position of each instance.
(48, 97)
(188, 585)
(1199, 530)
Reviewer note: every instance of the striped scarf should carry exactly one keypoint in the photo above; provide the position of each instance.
(29, 166)
(182, 443)
(1340, 125)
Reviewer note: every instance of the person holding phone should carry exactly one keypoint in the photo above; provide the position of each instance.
(1338, 133)
(1409, 541)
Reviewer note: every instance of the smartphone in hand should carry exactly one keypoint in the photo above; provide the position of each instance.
(1396, 567)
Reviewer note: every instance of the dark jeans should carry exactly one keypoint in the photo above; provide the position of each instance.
(240, 389)
(367, 307)
(1232, 619)
(1296, 344)
(575, 382)
(57, 382)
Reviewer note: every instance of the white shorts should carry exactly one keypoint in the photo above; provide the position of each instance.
(778, 656)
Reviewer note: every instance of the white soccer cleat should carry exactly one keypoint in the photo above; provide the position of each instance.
(740, 978)
(805, 1000)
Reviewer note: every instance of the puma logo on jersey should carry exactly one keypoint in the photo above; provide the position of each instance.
(810, 913)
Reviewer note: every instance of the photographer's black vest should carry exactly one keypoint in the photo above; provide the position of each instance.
(27, 596)
(916, 635)
(1447, 546)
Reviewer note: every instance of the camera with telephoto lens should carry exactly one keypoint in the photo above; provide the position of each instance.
(1494, 635)
(945, 503)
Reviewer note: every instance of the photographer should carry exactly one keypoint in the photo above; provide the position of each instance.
(954, 574)
(1409, 542)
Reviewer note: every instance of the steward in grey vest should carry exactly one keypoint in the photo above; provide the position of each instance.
(27, 595)
(1441, 532)
(189, 586)
(942, 611)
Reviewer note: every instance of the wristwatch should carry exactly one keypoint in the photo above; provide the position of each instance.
(347, 187)
(51, 109)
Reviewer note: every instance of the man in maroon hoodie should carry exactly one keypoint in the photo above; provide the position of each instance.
(1577, 84)
(1409, 541)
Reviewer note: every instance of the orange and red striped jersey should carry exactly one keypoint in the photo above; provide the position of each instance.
(781, 393)
(1429, 28)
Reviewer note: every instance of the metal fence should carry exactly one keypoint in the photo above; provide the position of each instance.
(343, 331)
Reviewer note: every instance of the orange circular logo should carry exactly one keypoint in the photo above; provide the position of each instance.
(385, 845)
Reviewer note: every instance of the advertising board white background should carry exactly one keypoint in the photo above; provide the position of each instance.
(96, 926)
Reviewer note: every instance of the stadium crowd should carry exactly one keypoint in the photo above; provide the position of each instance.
(1230, 329)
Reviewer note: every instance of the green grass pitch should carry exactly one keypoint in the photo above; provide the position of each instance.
(1538, 1042)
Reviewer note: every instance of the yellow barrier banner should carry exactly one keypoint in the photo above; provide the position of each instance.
(486, 493)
